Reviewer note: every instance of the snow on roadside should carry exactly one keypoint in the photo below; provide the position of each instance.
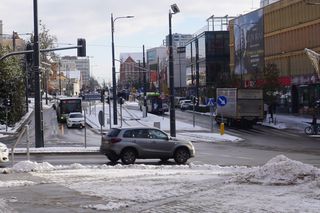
(29, 166)
(280, 170)
(281, 185)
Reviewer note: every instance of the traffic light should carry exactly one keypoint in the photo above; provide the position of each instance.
(7, 102)
(102, 95)
(29, 56)
(194, 100)
(121, 101)
(82, 47)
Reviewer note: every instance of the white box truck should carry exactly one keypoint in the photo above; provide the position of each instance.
(244, 106)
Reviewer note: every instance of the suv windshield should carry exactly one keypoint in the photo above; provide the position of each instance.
(76, 116)
(113, 132)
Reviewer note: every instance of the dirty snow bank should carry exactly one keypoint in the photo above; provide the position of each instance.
(280, 170)
(29, 166)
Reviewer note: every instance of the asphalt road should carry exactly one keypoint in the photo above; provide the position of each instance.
(260, 145)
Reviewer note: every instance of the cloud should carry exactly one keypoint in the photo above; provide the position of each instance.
(91, 19)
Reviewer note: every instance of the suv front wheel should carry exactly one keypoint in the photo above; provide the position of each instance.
(128, 156)
(181, 155)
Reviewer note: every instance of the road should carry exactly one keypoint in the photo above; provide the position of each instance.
(260, 144)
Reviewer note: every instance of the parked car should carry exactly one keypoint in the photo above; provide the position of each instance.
(185, 104)
(75, 119)
(131, 143)
(177, 101)
(4, 153)
(165, 107)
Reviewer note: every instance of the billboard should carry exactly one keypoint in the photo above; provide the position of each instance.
(249, 43)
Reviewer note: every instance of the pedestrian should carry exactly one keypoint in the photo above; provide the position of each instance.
(270, 111)
(265, 111)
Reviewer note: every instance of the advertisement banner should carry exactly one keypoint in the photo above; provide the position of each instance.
(249, 43)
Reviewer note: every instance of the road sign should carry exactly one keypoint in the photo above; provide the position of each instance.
(101, 118)
(210, 102)
(92, 97)
(222, 100)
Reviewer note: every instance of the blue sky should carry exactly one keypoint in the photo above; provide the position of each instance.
(72, 19)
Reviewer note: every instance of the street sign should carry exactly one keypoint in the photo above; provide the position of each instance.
(181, 49)
(101, 118)
(92, 97)
(210, 102)
(222, 100)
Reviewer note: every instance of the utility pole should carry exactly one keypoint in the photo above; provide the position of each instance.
(144, 83)
(37, 96)
(171, 83)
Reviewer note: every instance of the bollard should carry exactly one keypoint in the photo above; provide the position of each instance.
(221, 128)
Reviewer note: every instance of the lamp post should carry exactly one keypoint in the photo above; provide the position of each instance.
(114, 83)
(174, 10)
(36, 69)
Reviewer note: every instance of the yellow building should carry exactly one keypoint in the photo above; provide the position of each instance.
(289, 26)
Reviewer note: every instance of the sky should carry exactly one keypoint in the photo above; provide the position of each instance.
(72, 19)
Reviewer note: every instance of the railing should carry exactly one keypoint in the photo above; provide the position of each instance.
(25, 129)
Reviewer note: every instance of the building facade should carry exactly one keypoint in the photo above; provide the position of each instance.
(207, 63)
(288, 27)
(157, 66)
(179, 42)
(75, 63)
(130, 74)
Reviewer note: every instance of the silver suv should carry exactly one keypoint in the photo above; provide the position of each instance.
(131, 143)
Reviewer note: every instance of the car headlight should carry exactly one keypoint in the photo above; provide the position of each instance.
(3, 149)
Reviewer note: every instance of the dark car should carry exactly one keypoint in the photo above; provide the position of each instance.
(131, 143)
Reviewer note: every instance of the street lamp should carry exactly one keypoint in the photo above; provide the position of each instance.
(114, 92)
(174, 10)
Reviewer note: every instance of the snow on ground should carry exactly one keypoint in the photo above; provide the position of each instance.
(185, 131)
(281, 185)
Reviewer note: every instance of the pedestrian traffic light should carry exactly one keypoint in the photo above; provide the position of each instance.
(81, 47)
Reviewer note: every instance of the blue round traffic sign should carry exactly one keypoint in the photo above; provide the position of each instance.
(222, 100)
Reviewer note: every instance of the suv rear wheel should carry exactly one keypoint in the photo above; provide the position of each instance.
(181, 155)
(128, 156)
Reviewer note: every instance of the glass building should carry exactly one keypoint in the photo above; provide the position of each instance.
(207, 63)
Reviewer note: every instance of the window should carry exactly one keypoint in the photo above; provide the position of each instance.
(128, 134)
(156, 134)
(113, 132)
(141, 133)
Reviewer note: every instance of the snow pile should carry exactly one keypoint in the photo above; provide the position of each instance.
(29, 166)
(105, 207)
(15, 183)
(280, 170)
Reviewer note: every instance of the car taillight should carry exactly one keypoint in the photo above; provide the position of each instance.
(115, 140)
